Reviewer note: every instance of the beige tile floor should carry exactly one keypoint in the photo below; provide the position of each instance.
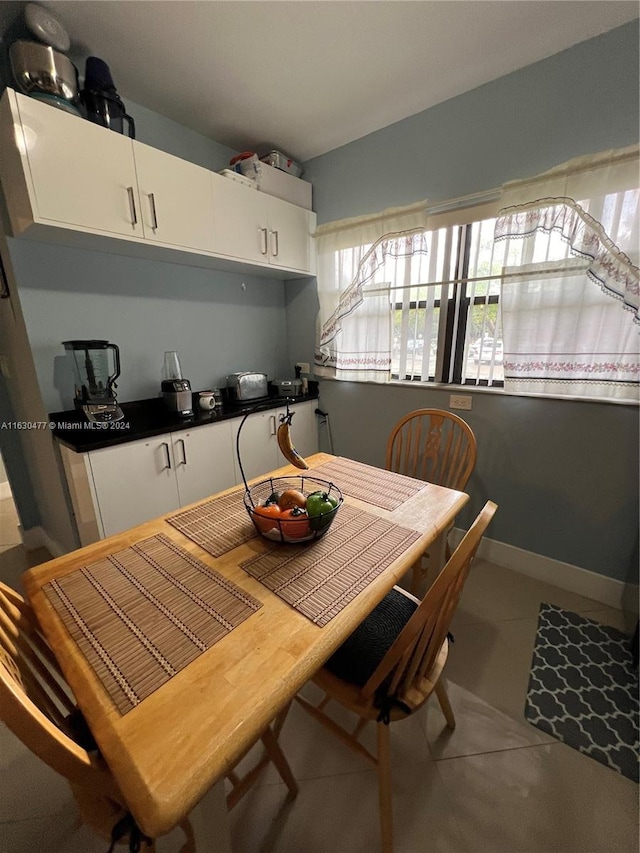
(494, 785)
(9, 535)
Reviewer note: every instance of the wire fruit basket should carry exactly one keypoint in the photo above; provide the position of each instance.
(271, 505)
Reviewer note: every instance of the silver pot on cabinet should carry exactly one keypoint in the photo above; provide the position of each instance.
(40, 70)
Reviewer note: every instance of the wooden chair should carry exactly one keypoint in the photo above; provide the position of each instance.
(38, 706)
(439, 447)
(272, 753)
(407, 673)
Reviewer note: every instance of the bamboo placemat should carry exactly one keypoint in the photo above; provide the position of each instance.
(321, 578)
(142, 614)
(385, 489)
(218, 526)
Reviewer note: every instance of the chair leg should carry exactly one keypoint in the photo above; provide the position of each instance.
(276, 755)
(190, 842)
(384, 788)
(445, 705)
(416, 578)
(272, 752)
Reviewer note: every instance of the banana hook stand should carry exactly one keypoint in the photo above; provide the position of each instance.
(258, 407)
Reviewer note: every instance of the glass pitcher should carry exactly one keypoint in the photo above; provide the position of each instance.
(171, 368)
(94, 378)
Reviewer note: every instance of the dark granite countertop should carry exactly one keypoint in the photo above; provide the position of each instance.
(146, 418)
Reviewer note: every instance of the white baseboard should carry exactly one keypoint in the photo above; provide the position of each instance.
(37, 537)
(5, 490)
(612, 593)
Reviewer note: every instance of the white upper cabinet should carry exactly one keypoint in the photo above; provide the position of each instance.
(70, 181)
(176, 207)
(78, 175)
(255, 226)
(289, 231)
(239, 220)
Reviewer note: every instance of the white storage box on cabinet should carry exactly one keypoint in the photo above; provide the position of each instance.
(278, 183)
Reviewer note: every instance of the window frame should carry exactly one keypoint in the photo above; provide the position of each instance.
(451, 340)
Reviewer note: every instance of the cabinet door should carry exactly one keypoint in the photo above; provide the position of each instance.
(259, 449)
(304, 428)
(203, 461)
(289, 237)
(82, 174)
(258, 444)
(175, 199)
(240, 220)
(134, 482)
(304, 431)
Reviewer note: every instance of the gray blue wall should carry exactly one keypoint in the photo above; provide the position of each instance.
(564, 473)
(218, 322)
(582, 100)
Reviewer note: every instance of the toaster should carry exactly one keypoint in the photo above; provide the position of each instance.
(247, 386)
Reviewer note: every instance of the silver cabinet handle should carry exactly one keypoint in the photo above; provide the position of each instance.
(132, 206)
(166, 450)
(152, 200)
(272, 422)
(274, 243)
(184, 451)
(263, 233)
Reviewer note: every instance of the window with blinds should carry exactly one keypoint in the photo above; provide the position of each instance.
(446, 322)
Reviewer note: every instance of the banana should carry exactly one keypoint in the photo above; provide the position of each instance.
(284, 442)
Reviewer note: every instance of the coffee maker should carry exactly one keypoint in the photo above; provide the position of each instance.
(176, 390)
(93, 380)
(101, 101)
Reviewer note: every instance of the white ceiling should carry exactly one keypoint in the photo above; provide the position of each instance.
(306, 76)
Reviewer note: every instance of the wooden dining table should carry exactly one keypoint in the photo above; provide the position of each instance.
(169, 754)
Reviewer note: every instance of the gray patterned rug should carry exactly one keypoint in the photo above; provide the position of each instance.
(583, 688)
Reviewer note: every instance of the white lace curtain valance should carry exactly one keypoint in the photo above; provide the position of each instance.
(570, 249)
(571, 266)
(354, 334)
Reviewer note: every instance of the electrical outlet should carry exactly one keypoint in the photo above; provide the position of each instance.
(304, 366)
(460, 401)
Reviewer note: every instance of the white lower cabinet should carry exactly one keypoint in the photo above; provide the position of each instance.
(140, 480)
(203, 460)
(259, 450)
(133, 483)
(119, 487)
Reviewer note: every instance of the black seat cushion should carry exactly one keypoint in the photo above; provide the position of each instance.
(357, 658)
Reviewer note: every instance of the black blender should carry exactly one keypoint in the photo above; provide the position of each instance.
(94, 382)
